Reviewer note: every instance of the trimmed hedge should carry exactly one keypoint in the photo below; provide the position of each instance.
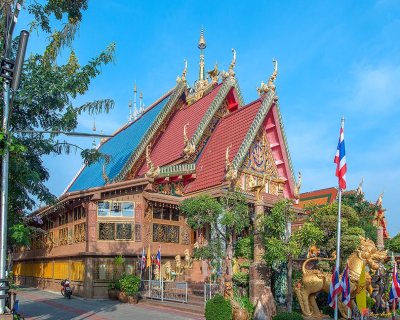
(288, 316)
(218, 308)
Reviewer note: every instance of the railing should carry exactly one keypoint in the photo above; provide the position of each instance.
(161, 290)
(210, 290)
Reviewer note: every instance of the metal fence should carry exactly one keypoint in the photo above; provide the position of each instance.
(210, 290)
(171, 291)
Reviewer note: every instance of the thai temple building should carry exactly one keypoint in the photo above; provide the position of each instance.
(195, 139)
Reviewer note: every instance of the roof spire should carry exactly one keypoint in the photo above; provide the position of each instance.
(131, 117)
(202, 45)
(141, 105)
(94, 130)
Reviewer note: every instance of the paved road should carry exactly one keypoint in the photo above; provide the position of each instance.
(39, 305)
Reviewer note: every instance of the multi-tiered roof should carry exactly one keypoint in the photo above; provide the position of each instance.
(203, 137)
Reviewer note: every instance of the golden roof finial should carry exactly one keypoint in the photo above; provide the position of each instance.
(264, 88)
(233, 63)
(202, 41)
(184, 70)
(94, 124)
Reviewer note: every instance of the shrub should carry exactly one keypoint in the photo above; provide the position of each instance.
(288, 316)
(218, 308)
(114, 285)
(244, 248)
(130, 284)
(248, 305)
(241, 279)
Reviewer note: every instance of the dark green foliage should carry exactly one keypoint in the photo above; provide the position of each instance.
(201, 210)
(203, 253)
(394, 244)
(130, 284)
(244, 247)
(288, 316)
(278, 249)
(248, 305)
(241, 279)
(46, 101)
(218, 308)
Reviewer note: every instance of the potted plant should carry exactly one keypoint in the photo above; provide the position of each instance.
(130, 288)
(113, 290)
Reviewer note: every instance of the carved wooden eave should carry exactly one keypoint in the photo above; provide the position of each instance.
(177, 92)
(162, 198)
(92, 194)
(193, 143)
(266, 105)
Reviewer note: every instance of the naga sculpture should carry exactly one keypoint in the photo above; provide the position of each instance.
(314, 281)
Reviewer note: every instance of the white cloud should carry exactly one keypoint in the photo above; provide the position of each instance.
(374, 89)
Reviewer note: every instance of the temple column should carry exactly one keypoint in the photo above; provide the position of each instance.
(379, 239)
(260, 278)
(88, 277)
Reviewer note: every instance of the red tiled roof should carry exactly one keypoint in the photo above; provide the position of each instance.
(170, 146)
(318, 197)
(210, 168)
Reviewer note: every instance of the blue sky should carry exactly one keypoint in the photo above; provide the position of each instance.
(336, 58)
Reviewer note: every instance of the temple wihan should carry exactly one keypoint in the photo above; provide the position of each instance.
(200, 138)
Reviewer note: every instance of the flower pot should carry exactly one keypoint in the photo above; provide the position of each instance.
(133, 299)
(113, 294)
(123, 297)
(240, 314)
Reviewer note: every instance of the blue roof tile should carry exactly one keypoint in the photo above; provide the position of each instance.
(119, 148)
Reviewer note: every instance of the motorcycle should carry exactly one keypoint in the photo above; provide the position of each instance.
(66, 289)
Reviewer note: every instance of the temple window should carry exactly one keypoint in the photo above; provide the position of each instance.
(164, 213)
(63, 236)
(165, 233)
(115, 209)
(63, 218)
(115, 231)
(79, 213)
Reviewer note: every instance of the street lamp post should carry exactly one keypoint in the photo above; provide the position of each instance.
(11, 73)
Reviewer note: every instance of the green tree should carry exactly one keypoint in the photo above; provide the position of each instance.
(228, 216)
(365, 211)
(46, 100)
(394, 244)
(280, 247)
(325, 219)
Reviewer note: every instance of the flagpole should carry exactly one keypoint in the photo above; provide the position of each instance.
(338, 234)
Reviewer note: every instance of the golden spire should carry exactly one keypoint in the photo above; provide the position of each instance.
(202, 45)
(202, 41)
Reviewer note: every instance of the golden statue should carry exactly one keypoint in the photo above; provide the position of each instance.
(188, 259)
(314, 281)
(178, 265)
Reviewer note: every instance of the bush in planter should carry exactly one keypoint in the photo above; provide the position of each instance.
(130, 285)
(218, 308)
(113, 288)
(288, 316)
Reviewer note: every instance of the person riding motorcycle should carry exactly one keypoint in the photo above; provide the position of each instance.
(66, 289)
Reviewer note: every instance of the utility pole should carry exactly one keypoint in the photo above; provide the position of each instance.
(11, 73)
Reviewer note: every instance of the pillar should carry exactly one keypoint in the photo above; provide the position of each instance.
(379, 238)
(260, 278)
(88, 278)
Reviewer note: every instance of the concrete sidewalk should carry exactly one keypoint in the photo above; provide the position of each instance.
(38, 304)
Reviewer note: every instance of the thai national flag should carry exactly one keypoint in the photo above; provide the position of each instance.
(143, 261)
(334, 289)
(395, 289)
(340, 160)
(158, 261)
(345, 284)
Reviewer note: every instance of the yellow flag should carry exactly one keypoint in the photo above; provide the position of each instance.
(148, 259)
(361, 296)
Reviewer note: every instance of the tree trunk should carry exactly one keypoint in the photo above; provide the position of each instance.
(289, 297)
(229, 254)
